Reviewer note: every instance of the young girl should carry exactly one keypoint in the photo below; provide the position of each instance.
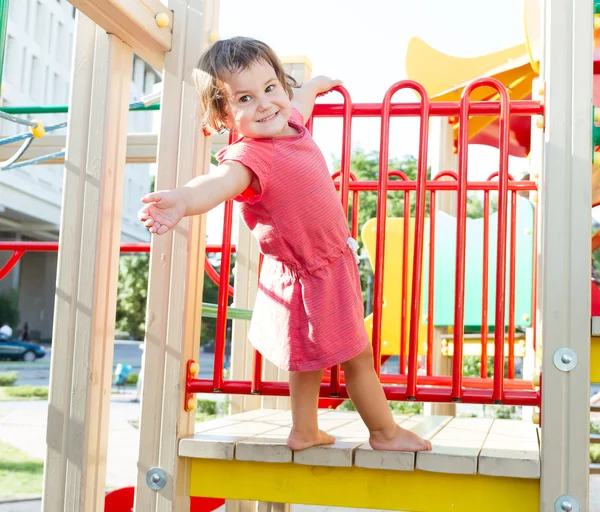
(308, 314)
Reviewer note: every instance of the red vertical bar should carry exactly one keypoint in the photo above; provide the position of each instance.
(498, 391)
(431, 288)
(461, 231)
(512, 286)
(415, 314)
(403, 302)
(334, 384)
(222, 300)
(485, 285)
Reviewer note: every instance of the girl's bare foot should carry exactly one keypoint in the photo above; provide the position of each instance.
(299, 441)
(401, 440)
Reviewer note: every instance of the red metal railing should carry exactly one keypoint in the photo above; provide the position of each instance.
(408, 384)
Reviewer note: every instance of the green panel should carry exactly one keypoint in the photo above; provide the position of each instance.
(445, 257)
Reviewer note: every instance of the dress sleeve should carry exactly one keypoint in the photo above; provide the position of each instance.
(256, 155)
(296, 116)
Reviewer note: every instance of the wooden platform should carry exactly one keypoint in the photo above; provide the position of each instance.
(235, 457)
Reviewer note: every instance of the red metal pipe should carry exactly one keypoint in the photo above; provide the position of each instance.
(222, 300)
(12, 261)
(465, 111)
(485, 285)
(512, 286)
(53, 247)
(398, 393)
(415, 315)
(403, 312)
(431, 284)
(382, 189)
(442, 108)
(535, 278)
(448, 186)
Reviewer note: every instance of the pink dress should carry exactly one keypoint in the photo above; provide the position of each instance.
(309, 312)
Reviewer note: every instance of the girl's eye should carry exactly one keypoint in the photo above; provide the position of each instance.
(270, 88)
(245, 99)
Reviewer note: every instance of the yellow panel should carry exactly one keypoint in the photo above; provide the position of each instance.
(359, 487)
(392, 286)
(423, 64)
(595, 361)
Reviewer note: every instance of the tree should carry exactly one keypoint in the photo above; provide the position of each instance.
(132, 295)
(132, 292)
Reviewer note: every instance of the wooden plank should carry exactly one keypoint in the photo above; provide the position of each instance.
(456, 447)
(564, 249)
(348, 432)
(424, 426)
(268, 447)
(67, 282)
(98, 184)
(176, 274)
(511, 449)
(133, 21)
(141, 148)
(220, 443)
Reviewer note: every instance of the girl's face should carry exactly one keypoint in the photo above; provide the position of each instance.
(259, 106)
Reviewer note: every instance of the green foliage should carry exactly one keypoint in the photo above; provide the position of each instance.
(20, 474)
(9, 309)
(26, 392)
(475, 205)
(132, 294)
(8, 378)
(396, 407)
(132, 379)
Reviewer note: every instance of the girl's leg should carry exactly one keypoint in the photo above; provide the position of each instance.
(304, 394)
(369, 399)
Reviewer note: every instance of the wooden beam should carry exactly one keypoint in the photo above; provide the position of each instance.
(141, 148)
(133, 21)
(84, 313)
(176, 274)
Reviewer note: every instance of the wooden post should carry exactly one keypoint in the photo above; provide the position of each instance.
(88, 262)
(564, 254)
(176, 272)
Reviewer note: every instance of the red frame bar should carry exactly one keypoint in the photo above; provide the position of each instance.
(440, 109)
(398, 393)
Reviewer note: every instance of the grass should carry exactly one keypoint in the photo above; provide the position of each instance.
(8, 378)
(8, 393)
(20, 474)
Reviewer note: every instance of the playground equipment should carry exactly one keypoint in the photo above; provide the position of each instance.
(244, 457)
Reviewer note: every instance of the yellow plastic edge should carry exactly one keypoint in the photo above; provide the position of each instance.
(359, 487)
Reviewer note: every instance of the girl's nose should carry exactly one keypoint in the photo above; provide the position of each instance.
(264, 103)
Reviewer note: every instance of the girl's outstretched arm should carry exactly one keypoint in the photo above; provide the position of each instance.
(304, 98)
(164, 209)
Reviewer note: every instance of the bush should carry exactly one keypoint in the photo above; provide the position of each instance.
(8, 378)
(27, 392)
(133, 378)
(9, 309)
(396, 407)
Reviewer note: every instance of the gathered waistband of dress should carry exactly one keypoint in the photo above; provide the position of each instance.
(296, 271)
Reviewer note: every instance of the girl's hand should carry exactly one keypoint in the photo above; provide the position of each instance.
(323, 84)
(163, 210)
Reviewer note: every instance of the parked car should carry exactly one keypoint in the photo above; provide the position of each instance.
(12, 348)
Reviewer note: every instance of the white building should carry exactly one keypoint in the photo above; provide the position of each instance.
(37, 71)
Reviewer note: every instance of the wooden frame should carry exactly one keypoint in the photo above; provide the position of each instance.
(133, 21)
(176, 274)
(564, 252)
(84, 314)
